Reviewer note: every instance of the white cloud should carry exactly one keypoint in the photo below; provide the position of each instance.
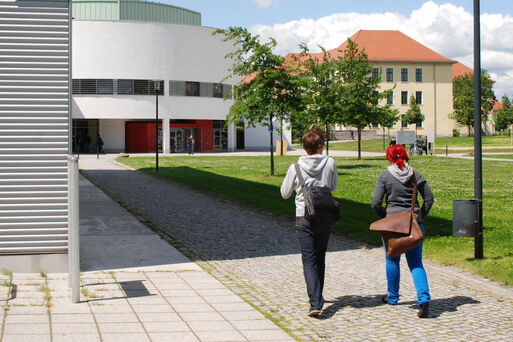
(264, 3)
(444, 28)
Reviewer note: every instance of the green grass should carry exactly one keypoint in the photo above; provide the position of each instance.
(499, 156)
(246, 180)
(376, 145)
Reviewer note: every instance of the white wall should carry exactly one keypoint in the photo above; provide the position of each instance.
(257, 138)
(113, 135)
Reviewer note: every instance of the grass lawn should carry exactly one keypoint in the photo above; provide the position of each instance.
(376, 145)
(499, 156)
(246, 180)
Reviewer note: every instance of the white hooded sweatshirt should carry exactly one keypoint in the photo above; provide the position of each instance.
(317, 170)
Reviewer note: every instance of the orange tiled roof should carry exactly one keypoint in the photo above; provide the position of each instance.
(392, 46)
(460, 69)
(497, 105)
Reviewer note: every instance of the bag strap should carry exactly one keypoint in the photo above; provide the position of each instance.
(299, 175)
(414, 197)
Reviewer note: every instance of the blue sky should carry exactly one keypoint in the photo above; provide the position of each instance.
(445, 26)
(245, 13)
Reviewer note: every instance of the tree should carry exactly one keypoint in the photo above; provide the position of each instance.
(463, 98)
(360, 100)
(387, 119)
(322, 90)
(413, 114)
(504, 115)
(269, 89)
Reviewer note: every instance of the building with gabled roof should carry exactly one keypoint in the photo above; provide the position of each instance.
(409, 68)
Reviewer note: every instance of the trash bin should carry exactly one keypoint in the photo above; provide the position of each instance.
(464, 218)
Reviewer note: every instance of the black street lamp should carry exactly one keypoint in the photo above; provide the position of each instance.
(157, 88)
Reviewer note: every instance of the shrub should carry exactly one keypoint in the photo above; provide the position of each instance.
(455, 133)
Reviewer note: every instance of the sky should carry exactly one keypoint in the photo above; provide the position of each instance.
(444, 26)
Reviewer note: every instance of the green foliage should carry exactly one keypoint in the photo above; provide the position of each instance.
(413, 114)
(269, 88)
(245, 180)
(455, 132)
(504, 115)
(463, 98)
(360, 102)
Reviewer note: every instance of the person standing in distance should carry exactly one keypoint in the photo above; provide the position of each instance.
(317, 170)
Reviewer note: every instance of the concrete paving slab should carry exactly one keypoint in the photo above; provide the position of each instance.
(124, 337)
(175, 336)
(26, 338)
(76, 337)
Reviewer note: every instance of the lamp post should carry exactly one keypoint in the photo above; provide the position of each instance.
(478, 161)
(157, 88)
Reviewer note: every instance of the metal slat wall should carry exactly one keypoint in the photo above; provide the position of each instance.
(34, 124)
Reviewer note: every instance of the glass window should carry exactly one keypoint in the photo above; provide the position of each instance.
(125, 87)
(88, 86)
(390, 98)
(192, 88)
(403, 124)
(75, 86)
(375, 73)
(418, 97)
(105, 86)
(420, 125)
(418, 74)
(141, 87)
(217, 90)
(404, 97)
(390, 75)
(404, 74)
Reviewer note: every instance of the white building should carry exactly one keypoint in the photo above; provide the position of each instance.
(115, 65)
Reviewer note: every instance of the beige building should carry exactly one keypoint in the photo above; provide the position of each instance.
(409, 68)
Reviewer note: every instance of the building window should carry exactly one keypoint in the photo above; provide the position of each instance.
(403, 124)
(375, 73)
(192, 88)
(390, 75)
(418, 74)
(421, 125)
(141, 87)
(125, 87)
(177, 88)
(217, 90)
(418, 97)
(105, 86)
(404, 74)
(390, 98)
(404, 97)
(88, 86)
(75, 86)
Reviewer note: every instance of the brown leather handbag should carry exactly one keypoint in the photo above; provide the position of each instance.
(401, 232)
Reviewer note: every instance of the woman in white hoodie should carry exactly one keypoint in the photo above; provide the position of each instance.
(397, 184)
(317, 170)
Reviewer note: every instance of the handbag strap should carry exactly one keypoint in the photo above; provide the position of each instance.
(299, 175)
(414, 196)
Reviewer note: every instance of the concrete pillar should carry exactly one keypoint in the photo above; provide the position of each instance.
(165, 135)
(232, 137)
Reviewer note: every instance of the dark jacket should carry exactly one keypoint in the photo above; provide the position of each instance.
(399, 196)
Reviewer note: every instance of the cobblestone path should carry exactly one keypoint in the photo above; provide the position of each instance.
(257, 256)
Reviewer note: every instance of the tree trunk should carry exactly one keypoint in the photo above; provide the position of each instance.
(271, 147)
(281, 137)
(384, 147)
(359, 143)
(327, 140)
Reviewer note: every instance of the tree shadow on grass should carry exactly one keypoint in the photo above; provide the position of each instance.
(436, 307)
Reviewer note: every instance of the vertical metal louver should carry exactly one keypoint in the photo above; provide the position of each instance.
(34, 124)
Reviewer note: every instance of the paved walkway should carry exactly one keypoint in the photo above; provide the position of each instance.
(256, 256)
(134, 287)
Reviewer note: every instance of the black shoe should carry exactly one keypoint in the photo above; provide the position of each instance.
(424, 310)
(385, 300)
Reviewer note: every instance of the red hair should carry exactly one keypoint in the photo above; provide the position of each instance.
(397, 154)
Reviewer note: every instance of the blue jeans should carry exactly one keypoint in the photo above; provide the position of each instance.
(313, 240)
(414, 259)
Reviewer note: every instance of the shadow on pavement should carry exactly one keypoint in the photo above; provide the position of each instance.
(218, 229)
(436, 308)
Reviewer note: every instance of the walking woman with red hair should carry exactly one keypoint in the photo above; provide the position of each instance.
(396, 183)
